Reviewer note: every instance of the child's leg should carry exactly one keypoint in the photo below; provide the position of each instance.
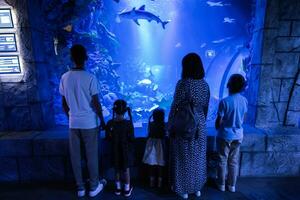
(127, 187)
(233, 162)
(160, 176)
(127, 178)
(151, 175)
(223, 152)
(118, 188)
(118, 178)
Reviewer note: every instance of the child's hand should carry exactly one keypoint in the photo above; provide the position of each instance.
(102, 126)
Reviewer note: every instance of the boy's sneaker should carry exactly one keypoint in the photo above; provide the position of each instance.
(221, 187)
(231, 188)
(118, 191)
(128, 192)
(81, 193)
(99, 188)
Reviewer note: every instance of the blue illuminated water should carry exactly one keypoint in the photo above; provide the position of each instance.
(150, 56)
(142, 63)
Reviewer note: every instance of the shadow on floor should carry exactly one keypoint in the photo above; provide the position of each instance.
(247, 188)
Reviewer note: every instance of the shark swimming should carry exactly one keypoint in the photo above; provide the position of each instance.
(141, 13)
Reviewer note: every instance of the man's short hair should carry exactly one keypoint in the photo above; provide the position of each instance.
(78, 54)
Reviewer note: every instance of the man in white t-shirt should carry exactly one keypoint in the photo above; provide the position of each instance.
(79, 90)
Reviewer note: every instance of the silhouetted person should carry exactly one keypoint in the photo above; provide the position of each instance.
(229, 124)
(79, 90)
(188, 152)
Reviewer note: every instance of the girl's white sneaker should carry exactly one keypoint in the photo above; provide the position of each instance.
(81, 193)
(198, 194)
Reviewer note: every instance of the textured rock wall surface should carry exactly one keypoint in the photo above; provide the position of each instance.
(44, 155)
(26, 104)
(276, 64)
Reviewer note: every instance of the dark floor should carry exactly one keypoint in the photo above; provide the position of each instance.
(248, 188)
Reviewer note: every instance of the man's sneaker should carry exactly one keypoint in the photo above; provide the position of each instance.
(81, 193)
(221, 187)
(128, 192)
(231, 188)
(99, 188)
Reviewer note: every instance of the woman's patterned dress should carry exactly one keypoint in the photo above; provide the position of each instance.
(188, 157)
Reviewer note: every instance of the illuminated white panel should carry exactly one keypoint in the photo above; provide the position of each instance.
(8, 43)
(6, 19)
(9, 65)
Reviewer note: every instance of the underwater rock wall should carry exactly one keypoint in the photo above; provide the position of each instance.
(47, 29)
(275, 64)
(82, 22)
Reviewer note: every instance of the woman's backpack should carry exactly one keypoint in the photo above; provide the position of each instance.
(184, 122)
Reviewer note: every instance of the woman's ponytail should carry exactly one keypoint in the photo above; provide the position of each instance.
(129, 114)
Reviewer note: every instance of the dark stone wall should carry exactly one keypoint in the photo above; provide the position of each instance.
(275, 66)
(26, 103)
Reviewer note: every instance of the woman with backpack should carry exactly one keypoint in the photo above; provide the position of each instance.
(187, 129)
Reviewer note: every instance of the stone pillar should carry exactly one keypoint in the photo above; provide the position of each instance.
(26, 103)
(275, 64)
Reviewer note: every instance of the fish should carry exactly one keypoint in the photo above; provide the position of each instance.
(203, 45)
(229, 20)
(141, 13)
(153, 107)
(103, 27)
(118, 1)
(68, 28)
(145, 82)
(55, 43)
(108, 33)
(178, 45)
(155, 87)
(216, 4)
(221, 40)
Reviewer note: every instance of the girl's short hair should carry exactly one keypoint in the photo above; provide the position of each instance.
(236, 83)
(120, 107)
(192, 67)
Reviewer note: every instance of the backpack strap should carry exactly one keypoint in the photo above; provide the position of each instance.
(189, 95)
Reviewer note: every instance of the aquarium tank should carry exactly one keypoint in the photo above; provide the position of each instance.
(135, 47)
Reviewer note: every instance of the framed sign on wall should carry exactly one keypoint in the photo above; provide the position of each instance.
(8, 42)
(10, 61)
(9, 64)
(6, 20)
